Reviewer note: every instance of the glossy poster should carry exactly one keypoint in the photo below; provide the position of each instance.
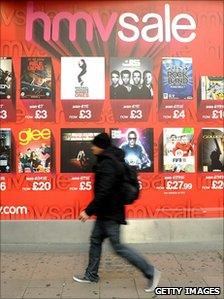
(151, 75)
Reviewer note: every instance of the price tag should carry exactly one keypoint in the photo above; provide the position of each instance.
(40, 114)
(170, 110)
(177, 185)
(217, 114)
(136, 114)
(3, 186)
(85, 114)
(41, 186)
(211, 110)
(82, 110)
(85, 186)
(3, 114)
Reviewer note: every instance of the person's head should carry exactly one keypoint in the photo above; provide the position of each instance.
(125, 77)
(173, 138)
(183, 139)
(132, 138)
(136, 77)
(147, 77)
(100, 143)
(115, 75)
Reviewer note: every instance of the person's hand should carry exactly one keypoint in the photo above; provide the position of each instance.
(83, 216)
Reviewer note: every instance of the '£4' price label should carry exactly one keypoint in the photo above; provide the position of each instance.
(40, 114)
(3, 114)
(178, 114)
(136, 114)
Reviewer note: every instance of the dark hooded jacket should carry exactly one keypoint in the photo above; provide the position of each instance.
(107, 203)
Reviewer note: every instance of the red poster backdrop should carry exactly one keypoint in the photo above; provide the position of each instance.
(45, 143)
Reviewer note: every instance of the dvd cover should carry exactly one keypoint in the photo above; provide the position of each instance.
(178, 150)
(34, 151)
(137, 145)
(177, 78)
(212, 88)
(36, 78)
(76, 154)
(212, 146)
(82, 78)
(5, 150)
(6, 78)
(131, 78)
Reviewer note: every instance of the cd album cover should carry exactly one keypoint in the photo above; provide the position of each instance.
(82, 78)
(34, 154)
(36, 78)
(177, 78)
(212, 88)
(5, 150)
(131, 78)
(5, 78)
(212, 149)
(137, 145)
(178, 150)
(76, 154)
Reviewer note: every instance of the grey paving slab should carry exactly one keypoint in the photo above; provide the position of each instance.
(118, 288)
(44, 293)
(13, 288)
(74, 290)
(215, 281)
(49, 274)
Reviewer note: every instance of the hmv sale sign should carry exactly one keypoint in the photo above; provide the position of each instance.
(150, 74)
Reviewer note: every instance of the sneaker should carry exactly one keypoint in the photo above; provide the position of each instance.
(155, 281)
(83, 279)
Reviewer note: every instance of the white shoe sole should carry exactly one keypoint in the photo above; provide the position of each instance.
(80, 280)
(155, 282)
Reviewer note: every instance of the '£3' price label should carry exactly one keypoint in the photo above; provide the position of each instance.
(85, 114)
(3, 114)
(136, 114)
(40, 114)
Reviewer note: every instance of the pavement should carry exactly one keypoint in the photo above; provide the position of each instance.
(29, 272)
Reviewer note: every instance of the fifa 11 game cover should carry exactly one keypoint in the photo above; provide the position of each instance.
(177, 78)
(36, 78)
(131, 78)
(212, 150)
(178, 150)
(5, 150)
(76, 154)
(137, 145)
(5, 78)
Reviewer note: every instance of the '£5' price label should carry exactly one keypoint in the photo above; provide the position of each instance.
(85, 186)
(40, 114)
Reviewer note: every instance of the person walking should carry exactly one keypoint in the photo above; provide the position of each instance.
(108, 207)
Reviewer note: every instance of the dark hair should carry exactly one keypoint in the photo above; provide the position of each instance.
(126, 72)
(115, 72)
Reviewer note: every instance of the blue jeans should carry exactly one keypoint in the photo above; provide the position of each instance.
(111, 229)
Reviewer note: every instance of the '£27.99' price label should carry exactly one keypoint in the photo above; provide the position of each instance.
(177, 185)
